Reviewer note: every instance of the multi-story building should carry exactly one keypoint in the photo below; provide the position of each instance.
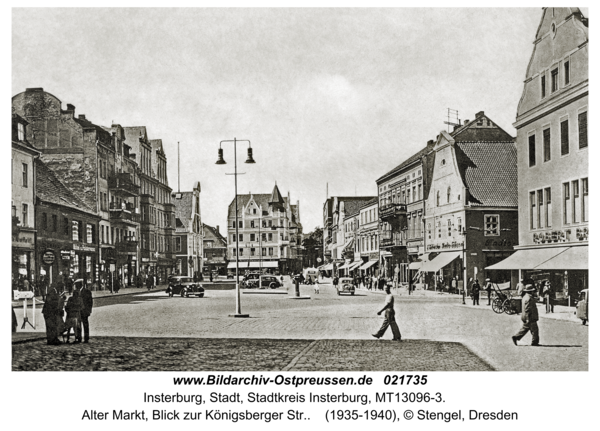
(351, 254)
(269, 233)
(23, 181)
(215, 250)
(84, 157)
(471, 208)
(157, 212)
(67, 230)
(368, 236)
(552, 149)
(188, 232)
(402, 193)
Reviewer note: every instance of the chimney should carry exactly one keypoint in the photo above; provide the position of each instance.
(70, 110)
(82, 116)
(217, 228)
(466, 122)
(34, 90)
(479, 114)
(455, 128)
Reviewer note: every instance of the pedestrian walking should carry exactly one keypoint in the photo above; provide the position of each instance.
(149, 283)
(529, 316)
(336, 280)
(73, 309)
(381, 283)
(390, 317)
(453, 284)
(87, 303)
(548, 293)
(317, 290)
(488, 289)
(50, 312)
(475, 289)
(520, 287)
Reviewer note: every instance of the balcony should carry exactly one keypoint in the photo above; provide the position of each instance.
(122, 185)
(124, 213)
(391, 239)
(392, 210)
(127, 246)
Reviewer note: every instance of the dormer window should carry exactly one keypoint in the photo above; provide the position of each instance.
(21, 131)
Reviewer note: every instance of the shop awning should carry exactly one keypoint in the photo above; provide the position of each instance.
(369, 264)
(243, 264)
(344, 266)
(440, 261)
(415, 265)
(327, 267)
(354, 265)
(572, 258)
(528, 259)
(265, 264)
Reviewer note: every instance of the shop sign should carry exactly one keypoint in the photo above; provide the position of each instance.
(498, 243)
(145, 259)
(80, 247)
(413, 249)
(65, 254)
(23, 240)
(48, 257)
(552, 236)
(445, 245)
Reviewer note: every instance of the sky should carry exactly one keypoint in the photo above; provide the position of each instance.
(331, 99)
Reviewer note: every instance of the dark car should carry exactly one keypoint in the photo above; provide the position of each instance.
(185, 286)
(269, 281)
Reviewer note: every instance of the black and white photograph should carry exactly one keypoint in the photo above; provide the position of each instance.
(324, 215)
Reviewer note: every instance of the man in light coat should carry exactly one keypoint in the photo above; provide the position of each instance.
(390, 317)
(529, 316)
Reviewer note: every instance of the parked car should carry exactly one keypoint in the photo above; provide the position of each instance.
(184, 286)
(345, 285)
(269, 281)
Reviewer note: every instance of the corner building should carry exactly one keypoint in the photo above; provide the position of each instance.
(552, 148)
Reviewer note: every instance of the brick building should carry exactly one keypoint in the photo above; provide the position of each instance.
(188, 232)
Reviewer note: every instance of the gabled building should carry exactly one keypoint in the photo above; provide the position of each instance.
(552, 149)
(214, 248)
(67, 230)
(471, 209)
(268, 235)
(188, 232)
(368, 237)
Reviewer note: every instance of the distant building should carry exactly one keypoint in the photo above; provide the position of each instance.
(188, 232)
(269, 233)
(552, 149)
(368, 237)
(215, 250)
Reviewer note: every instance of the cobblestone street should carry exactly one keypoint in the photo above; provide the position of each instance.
(184, 354)
(150, 331)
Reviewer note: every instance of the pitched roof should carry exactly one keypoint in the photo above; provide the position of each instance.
(489, 170)
(132, 137)
(369, 203)
(262, 200)
(352, 207)
(276, 196)
(417, 156)
(183, 209)
(213, 232)
(51, 190)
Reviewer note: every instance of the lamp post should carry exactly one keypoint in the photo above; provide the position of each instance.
(221, 161)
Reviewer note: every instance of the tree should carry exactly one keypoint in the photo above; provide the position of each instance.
(313, 248)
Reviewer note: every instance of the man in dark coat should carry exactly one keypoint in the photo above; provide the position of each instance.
(529, 316)
(87, 302)
(475, 289)
(488, 289)
(50, 312)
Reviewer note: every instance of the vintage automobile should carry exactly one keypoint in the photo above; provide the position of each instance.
(269, 281)
(345, 285)
(184, 286)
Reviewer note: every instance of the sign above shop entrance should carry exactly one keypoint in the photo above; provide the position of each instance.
(48, 257)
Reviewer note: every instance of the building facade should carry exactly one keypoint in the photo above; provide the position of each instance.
(368, 237)
(215, 250)
(402, 193)
(552, 148)
(471, 208)
(268, 235)
(188, 232)
(23, 181)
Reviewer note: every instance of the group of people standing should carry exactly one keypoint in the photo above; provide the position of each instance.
(78, 307)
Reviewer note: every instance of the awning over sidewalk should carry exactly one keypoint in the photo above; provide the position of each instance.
(266, 264)
(572, 258)
(415, 265)
(243, 264)
(354, 265)
(528, 259)
(369, 264)
(440, 261)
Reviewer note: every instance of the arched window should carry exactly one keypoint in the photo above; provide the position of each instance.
(448, 196)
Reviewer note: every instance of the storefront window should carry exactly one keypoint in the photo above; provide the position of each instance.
(89, 233)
